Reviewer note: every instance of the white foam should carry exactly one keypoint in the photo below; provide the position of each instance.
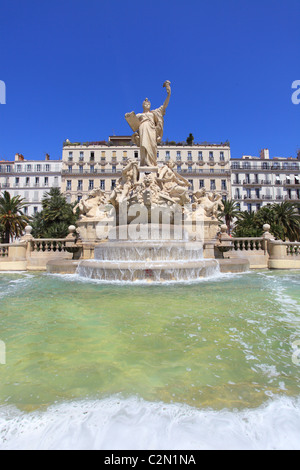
(134, 424)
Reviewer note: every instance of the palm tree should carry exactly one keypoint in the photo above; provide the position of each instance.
(55, 218)
(229, 212)
(246, 225)
(286, 215)
(12, 219)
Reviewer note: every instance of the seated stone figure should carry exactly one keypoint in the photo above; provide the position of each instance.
(88, 206)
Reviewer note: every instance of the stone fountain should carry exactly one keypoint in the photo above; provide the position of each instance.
(150, 227)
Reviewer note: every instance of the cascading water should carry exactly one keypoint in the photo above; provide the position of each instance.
(154, 261)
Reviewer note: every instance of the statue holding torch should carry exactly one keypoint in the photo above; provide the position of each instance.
(148, 128)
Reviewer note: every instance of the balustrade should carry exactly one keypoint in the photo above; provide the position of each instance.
(49, 245)
(248, 244)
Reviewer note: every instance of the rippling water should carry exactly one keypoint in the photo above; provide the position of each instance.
(187, 366)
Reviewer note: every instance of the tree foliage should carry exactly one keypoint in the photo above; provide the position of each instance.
(55, 218)
(12, 219)
(284, 220)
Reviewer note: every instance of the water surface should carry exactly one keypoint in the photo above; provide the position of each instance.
(181, 357)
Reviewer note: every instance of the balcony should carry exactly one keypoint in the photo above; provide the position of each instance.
(289, 183)
(256, 182)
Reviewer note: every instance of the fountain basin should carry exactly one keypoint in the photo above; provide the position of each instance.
(147, 271)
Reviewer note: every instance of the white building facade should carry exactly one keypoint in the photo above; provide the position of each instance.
(258, 181)
(99, 165)
(30, 179)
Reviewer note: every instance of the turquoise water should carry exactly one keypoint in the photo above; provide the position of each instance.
(154, 366)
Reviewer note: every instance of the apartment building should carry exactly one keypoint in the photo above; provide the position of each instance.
(258, 181)
(30, 179)
(90, 165)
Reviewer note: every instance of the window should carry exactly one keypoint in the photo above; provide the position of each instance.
(81, 156)
(113, 184)
(92, 168)
(46, 181)
(27, 181)
(19, 168)
(178, 168)
(190, 168)
(35, 210)
(69, 185)
(235, 165)
(167, 155)
(37, 181)
(91, 185)
(211, 156)
(70, 169)
(81, 169)
(136, 154)
(222, 156)
(28, 167)
(47, 167)
(114, 169)
(212, 185)
(79, 198)
(178, 155)
(92, 156)
(70, 157)
(17, 181)
(190, 158)
(201, 183)
(191, 184)
(80, 185)
(102, 185)
(223, 185)
(38, 168)
(200, 156)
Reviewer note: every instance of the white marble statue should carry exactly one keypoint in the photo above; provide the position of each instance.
(148, 127)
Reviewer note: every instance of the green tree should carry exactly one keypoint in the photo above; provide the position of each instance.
(229, 212)
(286, 215)
(12, 219)
(284, 220)
(55, 218)
(190, 139)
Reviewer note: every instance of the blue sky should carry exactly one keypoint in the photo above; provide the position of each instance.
(73, 68)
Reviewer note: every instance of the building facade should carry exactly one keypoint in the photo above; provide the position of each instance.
(99, 165)
(30, 179)
(258, 181)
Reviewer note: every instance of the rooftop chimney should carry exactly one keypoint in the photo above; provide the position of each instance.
(47, 158)
(264, 154)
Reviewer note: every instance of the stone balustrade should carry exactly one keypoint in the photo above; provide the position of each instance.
(262, 252)
(42, 245)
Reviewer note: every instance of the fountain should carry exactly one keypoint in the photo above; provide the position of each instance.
(149, 228)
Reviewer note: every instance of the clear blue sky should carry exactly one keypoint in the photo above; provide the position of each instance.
(73, 68)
